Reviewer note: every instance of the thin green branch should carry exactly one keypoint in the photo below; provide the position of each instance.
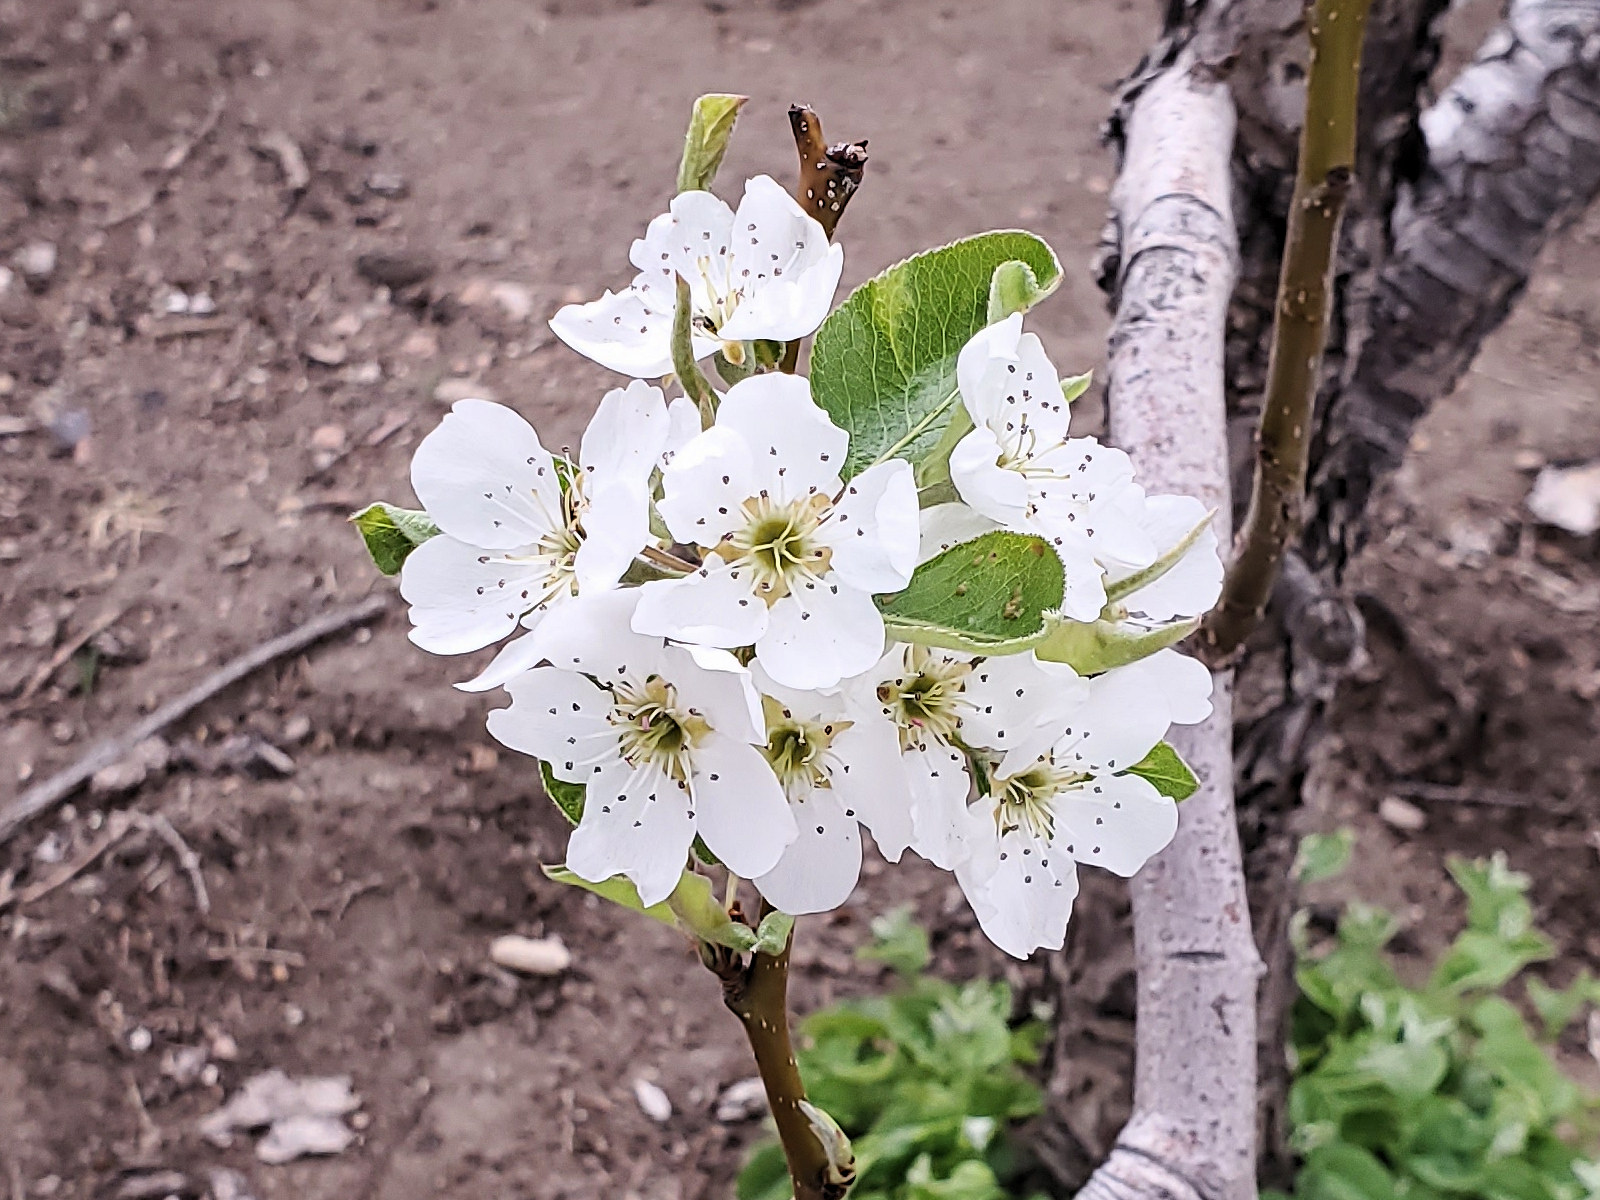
(695, 385)
(1327, 166)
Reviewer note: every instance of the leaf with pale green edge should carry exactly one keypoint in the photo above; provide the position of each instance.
(1126, 587)
(884, 362)
(1323, 855)
(989, 595)
(700, 913)
(391, 533)
(1076, 385)
(1013, 288)
(710, 128)
(568, 797)
(1165, 769)
(1090, 647)
(618, 889)
(772, 935)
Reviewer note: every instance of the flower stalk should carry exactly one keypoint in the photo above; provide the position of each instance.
(1322, 183)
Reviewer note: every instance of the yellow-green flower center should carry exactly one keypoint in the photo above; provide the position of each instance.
(654, 728)
(798, 748)
(1027, 800)
(926, 699)
(778, 543)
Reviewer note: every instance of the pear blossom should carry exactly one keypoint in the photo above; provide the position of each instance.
(1185, 580)
(837, 773)
(520, 530)
(764, 272)
(1046, 812)
(664, 737)
(792, 555)
(1020, 467)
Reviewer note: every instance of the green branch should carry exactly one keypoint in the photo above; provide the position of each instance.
(1327, 167)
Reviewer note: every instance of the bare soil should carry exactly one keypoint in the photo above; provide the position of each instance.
(180, 480)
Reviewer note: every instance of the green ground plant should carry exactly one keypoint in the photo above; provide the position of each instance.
(927, 1080)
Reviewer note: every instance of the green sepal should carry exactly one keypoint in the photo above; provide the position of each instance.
(618, 889)
(883, 365)
(732, 373)
(701, 915)
(988, 595)
(568, 797)
(1126, 587)
(1165, 769)
(710, 128)
(772, 935)
(1090, 647)
(703, 852)
(1013, 288)
(1076, 385)
(391, 533)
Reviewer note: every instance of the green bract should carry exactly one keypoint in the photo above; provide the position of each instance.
(568, 797)
(1090, 647)
(392, 533)
(710, 127)
(989, 596)
(884, 362)
(692, 908)
(1166, 770)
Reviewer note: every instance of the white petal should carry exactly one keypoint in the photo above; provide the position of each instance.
(1023, 906)
(1184, 681)
(788, 308)
(783, 427)
(870, 782)
(719, 688)
(1115, 821)
(874, 529)
(635, 823)
(1037, 389)
(560, 717)
(821, 633)
(484, 477)
(782, 263)
(626, 435)
(947, 525)
(519, 655)
(712, 607)
(946, 829)
(740, 808)
(695, 237)
(1021, 705)
(616, 526)
(819, 869)
(683, 425)
(1083, 579)
(1192, 584)
(619, 331)
(705, 484)
(996, 492)
(464, 598)
(593, 634)
(1130, 708)
(997, 342)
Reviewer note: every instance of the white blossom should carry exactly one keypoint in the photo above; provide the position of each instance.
(764, 272)
(792, 554)
(663, 737)
(837, 773)
(1186, 578)
(1020, 467)
(1047, 811)
(520, 530)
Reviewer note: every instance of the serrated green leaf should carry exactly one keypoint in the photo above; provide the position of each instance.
(391, 533)
(1323, 855)
(618, 889)
(1090, 647)
(1013, 288)
(710, 128)
(568, 797)
(1165, 768)
(988, 595)
(884, 362)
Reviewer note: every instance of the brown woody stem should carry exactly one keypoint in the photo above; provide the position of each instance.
(1327, 164)
(757, 993)
(829, 176)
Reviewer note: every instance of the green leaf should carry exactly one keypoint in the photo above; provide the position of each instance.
(1323, 855)
(701, 914)
(884, 362)
(391, 533)
(710, 127)
(1344, 1172)
(568, 797)
(618, 889)
(1090, 647)
(772, 935)
(988, 595)
(1013, 288)
(1166, 769)
(1076, 385)
(899, 942)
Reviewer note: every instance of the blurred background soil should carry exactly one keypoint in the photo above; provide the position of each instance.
(255, 250)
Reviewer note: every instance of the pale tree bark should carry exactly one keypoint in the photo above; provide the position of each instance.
(1453, 203)
(1192, 1134)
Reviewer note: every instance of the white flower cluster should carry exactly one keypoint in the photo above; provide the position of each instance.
(703, 651)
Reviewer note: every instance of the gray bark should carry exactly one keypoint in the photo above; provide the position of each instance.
(1192, 1134)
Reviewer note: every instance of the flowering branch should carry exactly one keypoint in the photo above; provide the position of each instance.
(1327, 163)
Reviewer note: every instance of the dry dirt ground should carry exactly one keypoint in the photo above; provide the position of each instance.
(178, 482)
